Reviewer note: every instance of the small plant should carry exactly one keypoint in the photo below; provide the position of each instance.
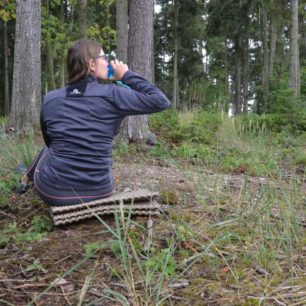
(122, 149)
(14, 151)
(40, 224)
(162, 262)
(39, 227)
(7, 184)
(35, 266)
(3, 123)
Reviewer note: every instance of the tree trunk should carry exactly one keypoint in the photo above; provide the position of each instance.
(294, 69)
(26, 94)
(6, 74)
(71, 15)
(51, 79)
(176, 97)
(226, 81)
(265, 53)
(245, 76)
(82, 14)
(122, 20)
(63, 57)
(140, 59)
(238, 60)
(273, 40)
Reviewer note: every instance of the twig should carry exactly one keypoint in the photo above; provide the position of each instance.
(6, 214)
(179, 285)
(178, 298)
(6, 280)
(65, 295)
(30, 285)
(62, 260)
(302, 302)
(84, 290)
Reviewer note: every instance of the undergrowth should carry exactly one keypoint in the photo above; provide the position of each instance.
(15, 155)
(231, 240)
(254, 145)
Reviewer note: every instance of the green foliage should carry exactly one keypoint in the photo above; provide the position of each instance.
(14, 234)
(196, 126)
(164, 123)
(162, 262)
(186, 31)
(40, 224)
(7, 184)
(36, 265)
(92, 247)
(14, 151)
(124, 150)
(7, 10)
(253, 144)
(3, 123)
(300, 159)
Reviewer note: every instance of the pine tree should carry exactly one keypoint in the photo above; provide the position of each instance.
(140, 59)
(294, 66)
(26, 96)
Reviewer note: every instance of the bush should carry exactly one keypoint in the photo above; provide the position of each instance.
(196, 126)
(293, 122)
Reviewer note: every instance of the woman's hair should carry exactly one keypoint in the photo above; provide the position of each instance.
(78, 57)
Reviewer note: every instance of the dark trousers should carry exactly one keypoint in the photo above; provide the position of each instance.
(56, 197)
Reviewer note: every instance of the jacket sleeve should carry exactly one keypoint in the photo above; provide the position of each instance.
(141, 98)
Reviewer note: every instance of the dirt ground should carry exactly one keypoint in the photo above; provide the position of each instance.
(63, 247)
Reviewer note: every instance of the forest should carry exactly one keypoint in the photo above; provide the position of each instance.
(228, 159)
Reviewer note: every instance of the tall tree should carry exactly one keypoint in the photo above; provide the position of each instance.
(7, 13)
(26, 95)
(294, 65)
(176, 95)
(82, 14)
(238, 72)
(265, 56)
(122, 21)
(49, 53)
(140, 59)
(6, 73)
(273, 38)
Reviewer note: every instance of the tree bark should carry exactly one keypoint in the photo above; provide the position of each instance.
(82, 14)
(273, 40)
(26, 94)
(176, 97)
(122, 20)
(6, 74)
(226, 81)
(294, 68)
(238, 60)
(265, 55)
(51, 79)
(71, 17)
(63, 57)
(140, 59)
(245, 75)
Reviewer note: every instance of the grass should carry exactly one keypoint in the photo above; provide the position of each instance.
(236, 237)
(13, 152)
(241, 248)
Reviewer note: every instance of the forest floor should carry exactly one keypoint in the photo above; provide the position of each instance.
(228, 239)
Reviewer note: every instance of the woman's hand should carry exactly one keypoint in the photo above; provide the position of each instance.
(119, 69)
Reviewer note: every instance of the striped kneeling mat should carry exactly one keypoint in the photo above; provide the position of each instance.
(138, 202)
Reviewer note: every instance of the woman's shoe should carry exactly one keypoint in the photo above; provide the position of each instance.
(21, 168)
(22, 188)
